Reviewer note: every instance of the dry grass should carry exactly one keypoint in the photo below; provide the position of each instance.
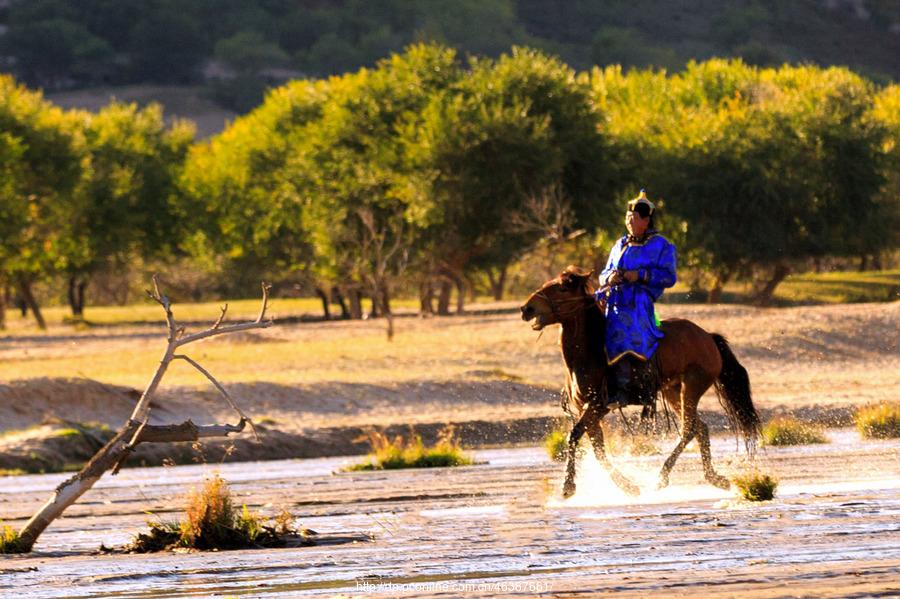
(9, 540)
(212, 522)
(786, 430)
(879, 421)
(396, 453)
(556, 443)
(756, 486)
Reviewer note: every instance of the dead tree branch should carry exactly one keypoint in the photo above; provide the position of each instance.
(137, 429)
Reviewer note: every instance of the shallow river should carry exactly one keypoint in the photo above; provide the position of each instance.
(497, 528)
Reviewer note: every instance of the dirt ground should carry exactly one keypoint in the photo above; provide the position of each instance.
(495, 529)
(299, 377)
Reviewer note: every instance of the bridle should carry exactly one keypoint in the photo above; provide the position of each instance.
(580, 304)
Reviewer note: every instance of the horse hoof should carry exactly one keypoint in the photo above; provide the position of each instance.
(662, 483)
(568, 490)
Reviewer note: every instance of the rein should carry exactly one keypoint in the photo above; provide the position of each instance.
(581, 303)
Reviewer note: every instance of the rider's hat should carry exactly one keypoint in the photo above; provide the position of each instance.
(635, 205)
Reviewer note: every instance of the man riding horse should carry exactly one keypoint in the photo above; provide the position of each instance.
(641, 265)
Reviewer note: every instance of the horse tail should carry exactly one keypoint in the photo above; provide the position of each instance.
(733, 389)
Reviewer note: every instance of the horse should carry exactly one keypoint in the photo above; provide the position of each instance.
(690, 361)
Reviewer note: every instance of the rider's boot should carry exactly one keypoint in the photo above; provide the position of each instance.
(643, 389)
(619, 384)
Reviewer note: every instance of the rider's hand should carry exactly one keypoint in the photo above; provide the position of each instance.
(615, 278)
(631, 276)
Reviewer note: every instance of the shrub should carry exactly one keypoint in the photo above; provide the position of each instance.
(392, 454)
(212, 522)
(756, 486)
(790, 431)
(879, 421)
(10, 541)
(556, 443)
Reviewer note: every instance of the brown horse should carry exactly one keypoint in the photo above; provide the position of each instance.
(690, 360)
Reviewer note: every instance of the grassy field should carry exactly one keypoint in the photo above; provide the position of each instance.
(122, 345)
(809, 288)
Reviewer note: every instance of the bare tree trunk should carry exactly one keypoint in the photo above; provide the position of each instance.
(356, 310)
(720, 278)
(460, 294)
(444, 297)
(817, 264)
(375, 309)
(426, 297)
(136, 430)
(764, 296)
(324, 297)
(31, 302)
(384, 301)
(863, 262)
(497, 282)
(4, 298)
(876, 261)
(338, 298)
(76, 296)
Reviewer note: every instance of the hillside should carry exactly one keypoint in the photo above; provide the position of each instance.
(238, 49)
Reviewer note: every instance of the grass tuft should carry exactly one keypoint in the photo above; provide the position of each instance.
(786, 430)
(10, 541)
(879, 421)
(756, 486)
(556, 443)
(12, 472)
(396, 453)
(211, 522)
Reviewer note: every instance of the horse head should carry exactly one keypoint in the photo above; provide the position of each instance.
(559, 299)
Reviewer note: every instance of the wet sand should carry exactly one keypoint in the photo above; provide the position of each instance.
(495, 529)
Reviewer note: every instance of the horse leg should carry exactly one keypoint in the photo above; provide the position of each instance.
(595, 434)
(713, 477)
(687, 407)
(587, 417)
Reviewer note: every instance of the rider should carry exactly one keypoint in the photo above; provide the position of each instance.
(641, 264)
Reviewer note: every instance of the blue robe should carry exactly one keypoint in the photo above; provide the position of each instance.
(630, 316)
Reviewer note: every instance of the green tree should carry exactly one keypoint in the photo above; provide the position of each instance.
(247, 211)
(494, 142)
(43, 154)
(129, 191)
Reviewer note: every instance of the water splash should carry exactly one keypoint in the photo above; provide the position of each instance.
(594, 488)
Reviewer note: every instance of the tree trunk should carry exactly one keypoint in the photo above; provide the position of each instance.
(715, 292)
(764, 296)
(444, 297)
(4, 298)
(356, 311)
(324, 297)
(460, 294)
(426, 297)
(817, 264)
(68, 492)
(384, 297)
(338, 298)
(76, 296)
(863, 263)
(876, 261)
(497, 282)
(31, 302)
(375, 310)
